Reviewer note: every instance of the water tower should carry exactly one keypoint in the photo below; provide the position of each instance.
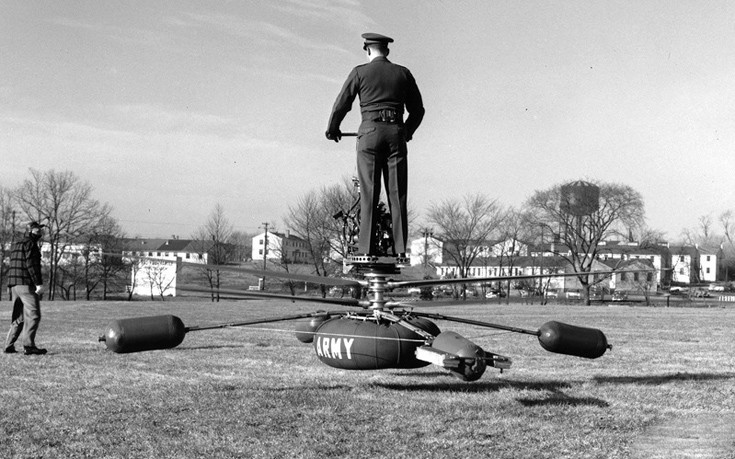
(579, 198)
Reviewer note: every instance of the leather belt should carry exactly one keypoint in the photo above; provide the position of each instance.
(386, 115)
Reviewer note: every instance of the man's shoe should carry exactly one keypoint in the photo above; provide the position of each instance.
(10, 350)
(34, 351)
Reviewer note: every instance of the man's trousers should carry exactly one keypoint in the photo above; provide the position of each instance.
(26, 316)
(382, 153)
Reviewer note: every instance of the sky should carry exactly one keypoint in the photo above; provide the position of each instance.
(169, 108)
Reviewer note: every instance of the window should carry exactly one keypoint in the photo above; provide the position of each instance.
(635, 276)
(707, 257)
(260, 251)
(260, 242)
(707, 270)
(649, 277)
(188, 255)
(681, 271)
(681, 257)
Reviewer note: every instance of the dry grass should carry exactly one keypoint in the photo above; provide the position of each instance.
(260, 393)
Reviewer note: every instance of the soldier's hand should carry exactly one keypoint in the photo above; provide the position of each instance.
(334, 135)
(39, 290)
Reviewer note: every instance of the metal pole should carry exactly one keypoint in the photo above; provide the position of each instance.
(265, 253)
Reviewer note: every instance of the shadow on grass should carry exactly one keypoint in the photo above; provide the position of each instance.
(664, 378)
(561, 399)
(455, 385)
(208, 348)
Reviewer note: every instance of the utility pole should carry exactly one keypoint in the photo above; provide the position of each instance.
(265, 254)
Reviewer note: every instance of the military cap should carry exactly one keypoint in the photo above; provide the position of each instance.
(35, 225)
(375, 39)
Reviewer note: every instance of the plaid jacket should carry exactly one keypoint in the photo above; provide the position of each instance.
(25, 264)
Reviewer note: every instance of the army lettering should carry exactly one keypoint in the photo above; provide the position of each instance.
(332, 347)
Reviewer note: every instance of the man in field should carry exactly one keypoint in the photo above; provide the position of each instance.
(26, 284)
(384, 89)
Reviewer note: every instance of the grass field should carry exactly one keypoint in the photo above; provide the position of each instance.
(667, 389)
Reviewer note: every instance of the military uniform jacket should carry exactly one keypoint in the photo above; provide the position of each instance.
(380, 84)
(25, 264)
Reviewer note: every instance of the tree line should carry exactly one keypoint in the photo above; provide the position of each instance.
(66, 204)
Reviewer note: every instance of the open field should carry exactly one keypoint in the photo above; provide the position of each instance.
(666, 390)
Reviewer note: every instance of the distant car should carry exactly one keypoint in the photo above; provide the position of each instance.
(442, 291)
(574, 295)
(552, 293)
(495, 294)
(619, 296)
(716, 288)
(701, 293)
(414, 291)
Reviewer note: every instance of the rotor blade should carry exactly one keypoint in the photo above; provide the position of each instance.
(312, 299)
(279, 275)
(476, 322)
(264, 321)
(473, 280)
(256, 272)
(349, 134)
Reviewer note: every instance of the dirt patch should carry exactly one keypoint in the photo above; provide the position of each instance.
(698, 436)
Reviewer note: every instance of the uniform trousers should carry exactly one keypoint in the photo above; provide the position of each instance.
(382, 153)
(26, 316)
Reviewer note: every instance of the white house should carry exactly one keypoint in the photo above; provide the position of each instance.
(684, 264)
(427, 250)
(279, 245)
(711, 264)
(154, 273)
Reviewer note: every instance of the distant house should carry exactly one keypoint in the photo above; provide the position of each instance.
(279, 246)
(154, 273)
(642, 279)
(685, 267)
(658, 255)
(711, 264)
(426, 250)
(170, 249)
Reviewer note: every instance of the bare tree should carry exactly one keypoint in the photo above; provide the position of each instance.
(466, 226)
(703, 234)
(7, 232)
(620, 206)
(214, 239)
(242, 246)
(158, 276)
(101, 269)
(514, 231)
(728, 228)
(65, 204)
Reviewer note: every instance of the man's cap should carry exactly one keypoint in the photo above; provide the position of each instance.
(34, 225)
(375, 39)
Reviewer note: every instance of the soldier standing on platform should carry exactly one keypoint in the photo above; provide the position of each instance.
(384, 89)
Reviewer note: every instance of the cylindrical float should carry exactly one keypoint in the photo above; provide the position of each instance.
(568, 339)
(357, 344)
(144, 334)
(473, 356)
(305, 328)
